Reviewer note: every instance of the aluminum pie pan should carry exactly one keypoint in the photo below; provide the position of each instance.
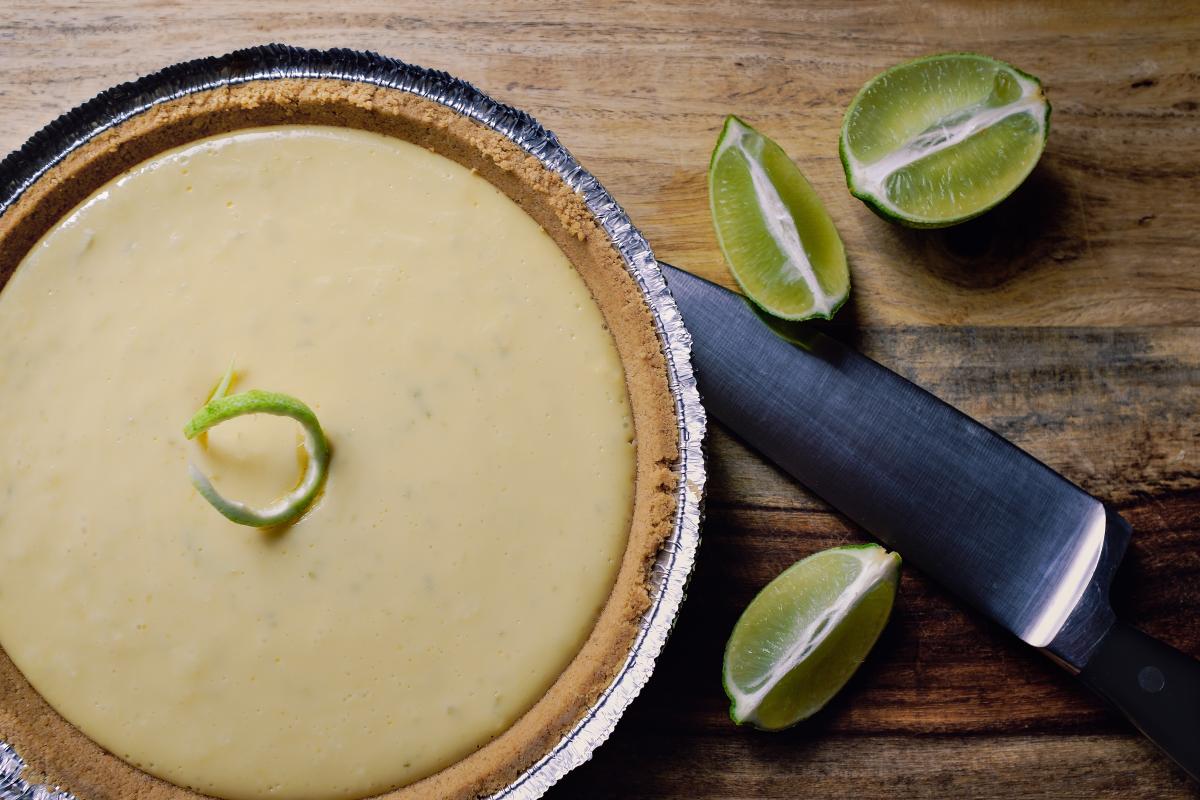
(676, 558)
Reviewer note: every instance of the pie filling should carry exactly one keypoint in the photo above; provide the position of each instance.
(478, 500)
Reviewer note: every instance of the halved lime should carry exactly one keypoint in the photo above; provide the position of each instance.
(942, 139)
(806, 632)
(776, 235)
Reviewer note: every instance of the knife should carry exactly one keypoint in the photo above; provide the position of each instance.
(997, 527)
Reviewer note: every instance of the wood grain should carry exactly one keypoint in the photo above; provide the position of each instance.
(1068, 319)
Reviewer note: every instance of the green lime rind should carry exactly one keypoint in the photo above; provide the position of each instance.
(292, 505)
(777, 237)
(805, 634)
(999, 114)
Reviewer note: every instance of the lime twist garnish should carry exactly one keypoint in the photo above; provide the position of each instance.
(221, 408)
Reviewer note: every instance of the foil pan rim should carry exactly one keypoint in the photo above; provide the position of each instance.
(673, 567)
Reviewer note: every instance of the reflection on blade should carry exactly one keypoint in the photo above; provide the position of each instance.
(1075, 578)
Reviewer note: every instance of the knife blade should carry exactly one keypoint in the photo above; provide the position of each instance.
(991, 523)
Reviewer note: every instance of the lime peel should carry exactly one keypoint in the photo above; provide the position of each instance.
(221, 408)
(222, 388)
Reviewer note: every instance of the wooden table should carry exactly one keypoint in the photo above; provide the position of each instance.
(1068, 320)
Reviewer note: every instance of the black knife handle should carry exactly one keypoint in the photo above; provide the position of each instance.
(1155, 686)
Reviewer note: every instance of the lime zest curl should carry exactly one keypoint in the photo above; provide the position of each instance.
(221, 408)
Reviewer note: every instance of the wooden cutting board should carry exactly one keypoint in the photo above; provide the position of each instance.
(1068, 319)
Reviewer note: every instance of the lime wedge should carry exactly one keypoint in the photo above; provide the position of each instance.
(776, 235)
(806, 632)
(942, 139)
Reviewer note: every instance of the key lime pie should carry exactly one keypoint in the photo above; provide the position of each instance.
(467, 571)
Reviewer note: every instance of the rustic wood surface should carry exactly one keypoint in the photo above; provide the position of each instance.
(1068, 319)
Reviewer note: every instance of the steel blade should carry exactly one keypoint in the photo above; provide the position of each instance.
(987, 520)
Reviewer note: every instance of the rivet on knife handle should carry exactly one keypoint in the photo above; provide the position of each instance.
(1153, 684)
